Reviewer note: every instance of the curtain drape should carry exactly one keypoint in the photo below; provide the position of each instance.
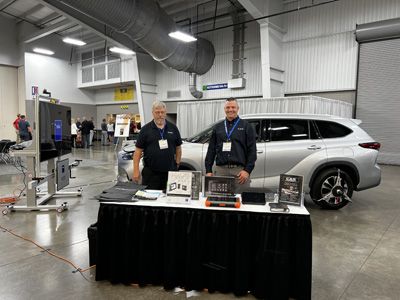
(195, 116)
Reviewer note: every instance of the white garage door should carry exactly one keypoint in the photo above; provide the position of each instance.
(378, 96)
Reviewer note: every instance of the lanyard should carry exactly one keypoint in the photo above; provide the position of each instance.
(228, 135)
(162, 131)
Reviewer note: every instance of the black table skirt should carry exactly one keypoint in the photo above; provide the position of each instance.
(226, 251)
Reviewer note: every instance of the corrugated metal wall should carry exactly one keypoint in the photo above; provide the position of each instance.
(168, 79)
(320, 51)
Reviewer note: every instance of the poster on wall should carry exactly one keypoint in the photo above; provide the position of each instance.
(123, 94)
(122, 123)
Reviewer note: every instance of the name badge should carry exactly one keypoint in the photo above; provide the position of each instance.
(163, 144)
(226, 147)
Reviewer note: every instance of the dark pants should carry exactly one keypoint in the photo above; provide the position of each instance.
(154, 180)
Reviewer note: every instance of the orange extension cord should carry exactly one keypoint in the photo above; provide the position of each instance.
(77, 269)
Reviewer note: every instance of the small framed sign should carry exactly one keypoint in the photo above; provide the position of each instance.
(291, 189)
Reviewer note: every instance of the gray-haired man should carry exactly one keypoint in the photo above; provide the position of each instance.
(160, 142)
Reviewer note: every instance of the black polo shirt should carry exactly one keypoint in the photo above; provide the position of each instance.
(159, 160)
(243, 146)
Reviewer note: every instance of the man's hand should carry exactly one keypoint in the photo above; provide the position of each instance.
(243, 176)
(209, 174)
(136, 176)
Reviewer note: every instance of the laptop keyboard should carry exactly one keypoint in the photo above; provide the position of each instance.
(222, 198)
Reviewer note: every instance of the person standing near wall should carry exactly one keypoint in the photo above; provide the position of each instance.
(16, 126)
(74, 132)
(91, 134)
(110, 130)
(85, 129)
(25, 130)
(104, 133)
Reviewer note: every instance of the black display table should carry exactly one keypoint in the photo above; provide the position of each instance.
(266, 254)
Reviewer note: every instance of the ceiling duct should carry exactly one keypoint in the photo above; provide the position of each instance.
(145, 23)
(380, 30)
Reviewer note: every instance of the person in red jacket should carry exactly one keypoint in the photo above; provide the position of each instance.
(16, 126)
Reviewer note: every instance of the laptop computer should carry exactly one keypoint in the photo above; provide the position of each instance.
(220, 189)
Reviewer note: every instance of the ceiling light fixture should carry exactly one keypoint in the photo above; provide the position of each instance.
(121, 50)
(184, 37)
(74, 41)
(43, 51)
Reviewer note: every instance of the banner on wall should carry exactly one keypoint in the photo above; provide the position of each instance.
(122, 123)
(123, 94)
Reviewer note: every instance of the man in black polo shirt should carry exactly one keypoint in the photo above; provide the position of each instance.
(160, 142)
(232, 146)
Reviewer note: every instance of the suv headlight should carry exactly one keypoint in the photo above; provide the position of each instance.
(127, 156)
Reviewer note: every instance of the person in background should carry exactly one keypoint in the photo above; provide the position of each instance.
(16, 126)
(25, 130)
(85, 129)
(132, 128)
(74, 132)
(160, 142)
(233, 147)
(78, 123)
(110, 130)
(104, 133)
(91, 134)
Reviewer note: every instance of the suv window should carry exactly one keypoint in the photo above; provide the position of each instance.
(329, 129)
(288, 130)
(256, 124)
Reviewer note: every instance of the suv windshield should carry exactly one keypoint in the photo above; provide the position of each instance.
(201, 137)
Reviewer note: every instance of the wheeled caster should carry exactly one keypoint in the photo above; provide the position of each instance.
(63, 207)
(6, 210)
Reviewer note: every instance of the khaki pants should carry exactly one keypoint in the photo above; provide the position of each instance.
(18, 139)
(224, 171)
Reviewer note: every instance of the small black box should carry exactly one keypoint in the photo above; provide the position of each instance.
(253, 198)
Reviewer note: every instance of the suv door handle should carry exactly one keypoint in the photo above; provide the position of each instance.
(314, 147)
(260, 151)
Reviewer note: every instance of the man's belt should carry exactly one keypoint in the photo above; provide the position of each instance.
(231, 166)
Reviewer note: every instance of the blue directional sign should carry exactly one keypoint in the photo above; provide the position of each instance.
(218, 86)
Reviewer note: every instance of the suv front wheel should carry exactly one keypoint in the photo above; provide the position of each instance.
(327, 186)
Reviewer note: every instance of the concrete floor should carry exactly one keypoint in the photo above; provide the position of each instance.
(356, 250)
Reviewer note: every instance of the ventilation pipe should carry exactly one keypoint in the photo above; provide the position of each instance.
(145, 23)
(380, 30)
(193, 86)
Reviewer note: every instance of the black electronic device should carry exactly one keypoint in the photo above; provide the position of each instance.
(220, 191)
(253, 198)
(54, 130)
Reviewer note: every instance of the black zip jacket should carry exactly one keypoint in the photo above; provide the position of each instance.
(243, 150)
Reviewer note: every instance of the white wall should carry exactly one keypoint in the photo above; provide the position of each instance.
(220, 72)
(320, 51)
(57, 76)
(8, 101)
(9, 54)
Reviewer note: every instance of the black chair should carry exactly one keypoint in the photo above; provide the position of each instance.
(5, 149)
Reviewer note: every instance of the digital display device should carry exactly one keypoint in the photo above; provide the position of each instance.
(54, 130)
(219, 185)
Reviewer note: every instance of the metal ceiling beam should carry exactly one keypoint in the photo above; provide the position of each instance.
(49, 18)
(31, 11)
(6, 4)
(47, 31)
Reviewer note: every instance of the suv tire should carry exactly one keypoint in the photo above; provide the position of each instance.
(323, 185)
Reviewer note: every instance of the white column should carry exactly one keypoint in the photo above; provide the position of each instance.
(265, 62)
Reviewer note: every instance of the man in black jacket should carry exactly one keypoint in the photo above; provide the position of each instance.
(232, 146)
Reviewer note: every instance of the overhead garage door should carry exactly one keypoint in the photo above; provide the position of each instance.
(378, 96)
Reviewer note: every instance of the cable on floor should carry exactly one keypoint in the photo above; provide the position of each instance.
(77, 269)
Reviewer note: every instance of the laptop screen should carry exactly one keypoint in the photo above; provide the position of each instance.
(219, 186)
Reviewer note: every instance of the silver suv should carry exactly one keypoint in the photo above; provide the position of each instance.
(334, 155)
